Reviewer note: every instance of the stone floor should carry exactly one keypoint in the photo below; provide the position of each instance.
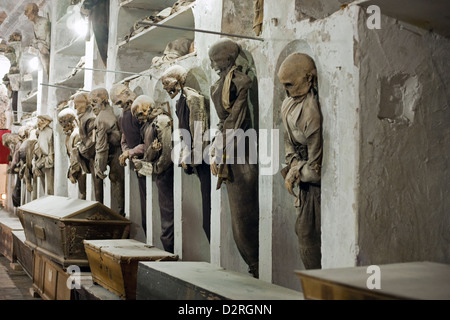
(14, 284)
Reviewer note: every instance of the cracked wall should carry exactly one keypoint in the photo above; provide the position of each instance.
(405, 121)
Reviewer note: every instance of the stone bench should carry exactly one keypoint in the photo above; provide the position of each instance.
(202, 281)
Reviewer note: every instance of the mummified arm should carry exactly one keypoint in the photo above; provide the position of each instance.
(164, 127)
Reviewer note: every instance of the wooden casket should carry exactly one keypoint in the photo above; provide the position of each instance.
(56, 226)
(7, 226)
(23, 253)
(114, 263)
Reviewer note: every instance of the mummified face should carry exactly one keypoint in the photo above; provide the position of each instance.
(297, 73)
(81, 103)
(66, 119)
(173, 80)
(142, 108)
(99, 99)
(122, 96)
(223, 54)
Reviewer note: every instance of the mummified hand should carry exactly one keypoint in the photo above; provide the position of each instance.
(123, 158)
(156, 145)
(292, 179)
(214, 168)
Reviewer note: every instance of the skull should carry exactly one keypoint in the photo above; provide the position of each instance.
(122, 96)
(142, 108)
(9, 140)
(81, 103)
(297, 74)
(66, 119)
(31, 11)
(180, 4)
(223, 54)
(24, 132)
(99, 99)
(173, 80)
(43, 121)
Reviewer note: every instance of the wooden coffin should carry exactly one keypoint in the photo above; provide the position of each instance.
(56, 226)
(398, 281)
(114, 263)
(23, 253)
(198, 280)
(49, 279)
(7, 226)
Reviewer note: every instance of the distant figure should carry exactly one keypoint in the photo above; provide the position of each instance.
(42, 29)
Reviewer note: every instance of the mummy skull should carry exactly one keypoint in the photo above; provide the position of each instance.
(297, 74)
(66, 119)
(121, 95)
(173, 80)
(98, 98)
(142, 108)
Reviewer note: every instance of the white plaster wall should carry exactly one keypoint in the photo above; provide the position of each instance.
(330, 43)
(404, 172)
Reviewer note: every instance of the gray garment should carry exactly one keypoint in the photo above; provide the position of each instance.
(86, 149)
(303, 142)
(107, 152)
(107, 138)
(161, 128)
(44, 150)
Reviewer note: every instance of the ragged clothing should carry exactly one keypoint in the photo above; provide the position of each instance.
(86, 147)
(107, 138)
(86, 151)
(303, 136)
(74, 171)
(230, 95)
(230, 99)
(303, 145)
(192, 117)
(161, 129)
(133, 143)
(131, 140)
(44, 150)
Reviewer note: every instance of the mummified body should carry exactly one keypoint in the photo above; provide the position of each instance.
(303, 147)
(67, 119)
(157, 160)
(131, 142)
(229, 95)
(44, 154)
(107, 145)
(193, 119)
(86, 145)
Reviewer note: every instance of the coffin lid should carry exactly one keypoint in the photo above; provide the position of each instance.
(128, 250)
(64, 208)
